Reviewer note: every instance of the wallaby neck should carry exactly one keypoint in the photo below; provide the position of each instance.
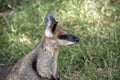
(46, 46)
(46, 53)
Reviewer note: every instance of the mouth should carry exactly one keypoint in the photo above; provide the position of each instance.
(73, 43)
(76, 40)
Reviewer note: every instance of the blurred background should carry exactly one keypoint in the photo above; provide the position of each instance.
(95, 22)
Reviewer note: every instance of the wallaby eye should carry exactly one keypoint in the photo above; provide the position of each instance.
(63, 36)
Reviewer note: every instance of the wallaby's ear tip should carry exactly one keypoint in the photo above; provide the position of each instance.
(49, 17)
(49, 14)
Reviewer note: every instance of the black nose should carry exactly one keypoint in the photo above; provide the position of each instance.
(76, 39)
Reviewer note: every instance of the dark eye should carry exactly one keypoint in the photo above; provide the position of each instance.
(63, 36)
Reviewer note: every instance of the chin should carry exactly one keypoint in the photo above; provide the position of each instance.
(71, 43)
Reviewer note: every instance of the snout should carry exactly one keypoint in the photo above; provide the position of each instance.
(76, 40)
(73, 38)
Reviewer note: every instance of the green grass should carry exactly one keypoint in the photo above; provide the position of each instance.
(97, 24)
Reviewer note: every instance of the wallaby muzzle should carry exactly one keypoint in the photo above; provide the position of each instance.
(69, 37)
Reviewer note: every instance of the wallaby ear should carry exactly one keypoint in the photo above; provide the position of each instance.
(50, 23)
(49, 19)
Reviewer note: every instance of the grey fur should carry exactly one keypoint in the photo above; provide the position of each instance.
(41, 62)
(45, 59)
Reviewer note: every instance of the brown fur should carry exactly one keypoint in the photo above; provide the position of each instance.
(4, 69)
(41, 62)
(46, 56)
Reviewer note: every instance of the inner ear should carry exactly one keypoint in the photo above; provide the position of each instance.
(54, 27)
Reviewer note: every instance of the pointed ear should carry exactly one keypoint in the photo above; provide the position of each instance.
(49, 19)
(54, 27)
(51, 24)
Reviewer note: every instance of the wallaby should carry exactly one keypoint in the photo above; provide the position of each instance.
(41, 62)
(4, 70)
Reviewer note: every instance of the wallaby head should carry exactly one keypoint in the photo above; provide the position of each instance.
(57, 35)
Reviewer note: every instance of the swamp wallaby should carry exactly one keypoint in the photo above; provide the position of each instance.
(41, 62)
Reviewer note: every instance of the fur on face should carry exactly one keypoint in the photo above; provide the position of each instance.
(56, 34)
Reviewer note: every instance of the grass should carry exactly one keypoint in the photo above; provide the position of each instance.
(96, 23)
